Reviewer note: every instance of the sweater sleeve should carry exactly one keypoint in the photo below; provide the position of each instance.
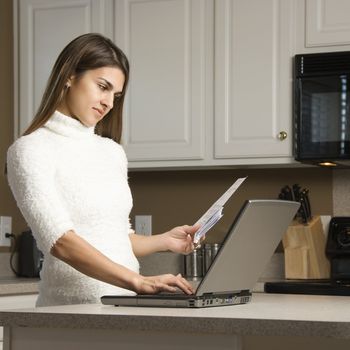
(125, 173)
(31, 176)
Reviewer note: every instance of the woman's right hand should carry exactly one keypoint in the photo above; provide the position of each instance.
(161, 283)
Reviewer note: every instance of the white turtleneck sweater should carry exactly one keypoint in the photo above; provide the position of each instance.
(65, 177)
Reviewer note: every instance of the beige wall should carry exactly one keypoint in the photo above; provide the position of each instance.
(7, 204)
(181, 197)
(172, 197)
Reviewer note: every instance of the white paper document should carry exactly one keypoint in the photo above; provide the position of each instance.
(214, 213)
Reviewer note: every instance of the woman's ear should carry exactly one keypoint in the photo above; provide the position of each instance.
(69, 81)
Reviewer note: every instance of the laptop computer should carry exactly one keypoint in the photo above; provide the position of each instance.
(244, 253)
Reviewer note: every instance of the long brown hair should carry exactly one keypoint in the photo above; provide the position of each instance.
(86, 52)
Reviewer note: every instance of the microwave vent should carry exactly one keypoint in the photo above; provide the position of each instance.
(333, 63)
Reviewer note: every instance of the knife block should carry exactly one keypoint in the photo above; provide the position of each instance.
(304, 251)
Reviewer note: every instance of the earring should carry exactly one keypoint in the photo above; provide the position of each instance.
(67, 85)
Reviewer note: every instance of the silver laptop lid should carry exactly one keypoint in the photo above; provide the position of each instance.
(248, 246)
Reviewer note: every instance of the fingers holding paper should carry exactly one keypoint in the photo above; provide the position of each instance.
(180, 238)
(184, 239)
(208, 221)
(214, 213)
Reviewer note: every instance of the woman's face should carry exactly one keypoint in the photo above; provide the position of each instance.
(90, 97)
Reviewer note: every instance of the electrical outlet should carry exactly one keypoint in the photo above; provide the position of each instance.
(5, 227)
(143, 224)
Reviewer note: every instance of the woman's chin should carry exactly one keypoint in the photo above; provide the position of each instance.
(91, 122)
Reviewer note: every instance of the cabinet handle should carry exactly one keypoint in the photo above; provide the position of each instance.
(282, 135)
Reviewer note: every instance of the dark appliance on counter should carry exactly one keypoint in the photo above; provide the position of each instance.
(338, 249)
(338, 253)
(322, 108)
(30, 258)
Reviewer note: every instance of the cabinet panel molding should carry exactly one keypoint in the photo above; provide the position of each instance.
(253, 78)
(45, 27)
(327, 23)
(166, 43)
(210, 81)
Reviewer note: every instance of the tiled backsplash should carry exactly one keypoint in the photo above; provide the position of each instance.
(161, 263)
(341, 193)
(167, 262)
(5, 269)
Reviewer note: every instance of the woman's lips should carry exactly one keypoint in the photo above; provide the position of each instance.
(99, 111)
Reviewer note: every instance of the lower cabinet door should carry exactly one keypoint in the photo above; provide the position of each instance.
(16, 302)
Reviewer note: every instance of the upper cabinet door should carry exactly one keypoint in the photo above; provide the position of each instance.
(45, 28)
(253, 78)
(167, 44)
(327, 23)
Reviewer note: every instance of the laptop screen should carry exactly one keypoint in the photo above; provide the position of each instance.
(248, 246)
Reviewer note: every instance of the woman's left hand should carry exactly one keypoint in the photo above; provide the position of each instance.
(180, 239)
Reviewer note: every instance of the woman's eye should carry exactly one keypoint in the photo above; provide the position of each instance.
(102, 87)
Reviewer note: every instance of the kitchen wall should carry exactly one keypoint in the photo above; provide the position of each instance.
(171, 197)
(7, 204)
(179, 197)
(341, 193)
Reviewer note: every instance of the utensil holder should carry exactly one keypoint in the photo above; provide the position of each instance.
(209, 253)
(194, 264)
(304, 251)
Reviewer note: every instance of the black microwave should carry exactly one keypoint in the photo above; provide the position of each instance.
(322, 109)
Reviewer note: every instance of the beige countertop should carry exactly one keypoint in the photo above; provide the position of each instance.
(267, 314)
(15, 285)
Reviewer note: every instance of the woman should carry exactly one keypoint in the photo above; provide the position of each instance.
(68, 174)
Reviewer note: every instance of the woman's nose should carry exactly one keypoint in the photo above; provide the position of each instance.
(107, 101)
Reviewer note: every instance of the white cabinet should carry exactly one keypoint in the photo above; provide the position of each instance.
(169, 47)
(210, 80)
(327, 23)
(170, 117)
(323, 26)
(44, 28)
(253, 78)
(16, 302)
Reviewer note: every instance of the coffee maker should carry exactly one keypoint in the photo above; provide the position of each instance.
(338, 249)
(30, 258)
(338, 252)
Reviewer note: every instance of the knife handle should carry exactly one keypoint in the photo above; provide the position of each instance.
(303, 211)
(288, 193)
(296, 190)
(305, 194)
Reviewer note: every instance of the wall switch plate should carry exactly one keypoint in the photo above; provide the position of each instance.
(143, 224)
(5, 227)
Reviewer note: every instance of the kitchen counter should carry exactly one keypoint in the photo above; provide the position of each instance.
(15, 286)
(266, 315)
